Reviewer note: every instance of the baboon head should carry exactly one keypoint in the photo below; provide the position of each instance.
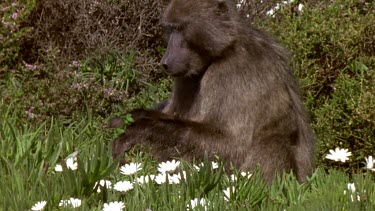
(198, 32)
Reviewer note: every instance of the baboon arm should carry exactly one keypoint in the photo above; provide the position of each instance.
(166, 134)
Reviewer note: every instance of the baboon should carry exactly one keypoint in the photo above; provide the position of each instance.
(234, 96)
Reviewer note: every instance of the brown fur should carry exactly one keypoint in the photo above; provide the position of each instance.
(234, 96)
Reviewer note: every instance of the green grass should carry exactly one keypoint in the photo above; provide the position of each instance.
(29, 153)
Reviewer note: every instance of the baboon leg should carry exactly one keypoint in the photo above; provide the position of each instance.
(272, 157)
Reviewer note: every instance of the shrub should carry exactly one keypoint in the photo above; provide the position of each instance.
(334, 51)
(78, 55)
(76, 29)
(11, 32)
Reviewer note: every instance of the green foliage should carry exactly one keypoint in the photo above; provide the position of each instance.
(200, 183)
(333, 47)
(101, 86)
(11, 32)
(348, 120)
(62, 58)
(248, 190)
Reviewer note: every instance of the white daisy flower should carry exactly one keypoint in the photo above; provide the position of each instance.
(161, 178)
(145, 179)
(228, 193)
(351, 187)
(39, 205)
(174, 179)
(70, 164)
(123, 186)
(370, 163)
(183, 173)
(195, 202)
(129, 169)
(244, 174)
(214, 165)
(103, 183)
(339, 155)
(114, 206)
(233, 177)
(70, 202)
(168, 166)
(270, 12)
(58, 167)
(300, 7)
(197, 167)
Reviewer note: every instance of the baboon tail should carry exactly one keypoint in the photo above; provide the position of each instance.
(305, 145)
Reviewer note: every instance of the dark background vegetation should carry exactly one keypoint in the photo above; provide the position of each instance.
(68, 59)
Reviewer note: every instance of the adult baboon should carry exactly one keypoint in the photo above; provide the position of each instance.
(234, 96)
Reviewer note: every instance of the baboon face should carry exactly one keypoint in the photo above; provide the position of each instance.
(180, 59)
(195, 34)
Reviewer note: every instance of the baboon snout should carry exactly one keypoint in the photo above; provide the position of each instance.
(165, 61)
(165, 66)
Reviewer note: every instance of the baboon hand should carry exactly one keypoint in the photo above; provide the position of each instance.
(138, 114)
(142, 114)
(121, 145)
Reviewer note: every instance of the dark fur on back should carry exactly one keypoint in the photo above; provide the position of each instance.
(234, 96)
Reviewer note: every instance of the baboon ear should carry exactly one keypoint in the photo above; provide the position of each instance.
(222, 7)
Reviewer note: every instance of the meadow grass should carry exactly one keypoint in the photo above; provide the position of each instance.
(29, 154)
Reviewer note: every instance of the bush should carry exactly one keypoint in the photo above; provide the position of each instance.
(65, 57)
(11, 32)
(76, 29)
(334, 51)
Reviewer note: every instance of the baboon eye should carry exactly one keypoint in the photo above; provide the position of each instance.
(173, 28)
(168, 30)
(179, 27)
